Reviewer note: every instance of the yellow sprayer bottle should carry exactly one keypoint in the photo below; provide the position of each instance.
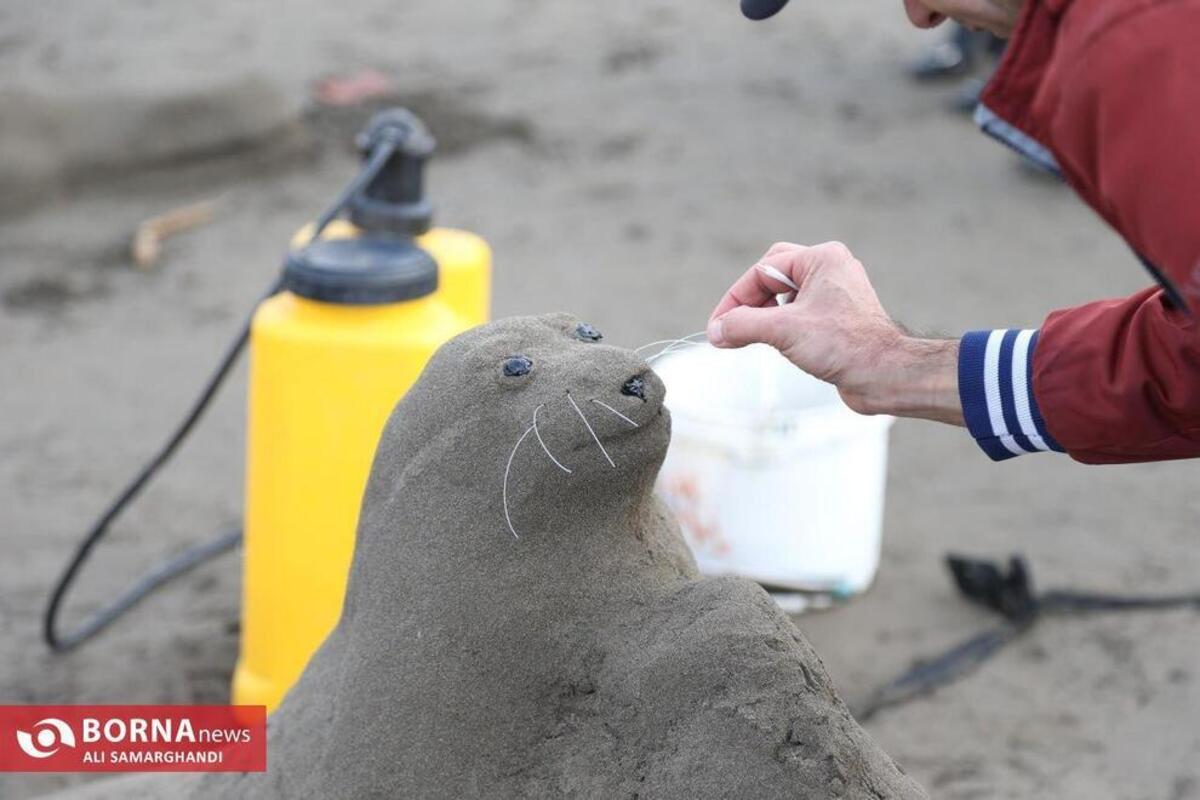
(363, 306)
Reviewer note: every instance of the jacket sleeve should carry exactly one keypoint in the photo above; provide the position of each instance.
(1110, 382)
(995, 385)
(1119, 381)
(1114, 381)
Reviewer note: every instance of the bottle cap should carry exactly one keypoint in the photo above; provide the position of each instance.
(369, 270)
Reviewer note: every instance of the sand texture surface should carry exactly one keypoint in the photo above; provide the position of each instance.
(626, 161)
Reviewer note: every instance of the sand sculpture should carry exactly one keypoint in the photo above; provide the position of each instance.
(523, 619)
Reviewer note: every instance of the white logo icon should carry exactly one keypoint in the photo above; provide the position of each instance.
(49, 735)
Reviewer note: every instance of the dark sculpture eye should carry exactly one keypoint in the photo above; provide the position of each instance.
(587, 333)
(516, 366)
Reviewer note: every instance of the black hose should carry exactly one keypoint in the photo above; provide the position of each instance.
(196, 554)
(375, 162)
(144, 586)
(192, 557)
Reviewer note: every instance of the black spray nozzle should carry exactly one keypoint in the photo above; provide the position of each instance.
(387, 201)
(397, 144)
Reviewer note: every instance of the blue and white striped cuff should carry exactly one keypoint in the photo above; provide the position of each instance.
(995, 384)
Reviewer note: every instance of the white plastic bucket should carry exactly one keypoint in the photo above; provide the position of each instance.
(771, 476)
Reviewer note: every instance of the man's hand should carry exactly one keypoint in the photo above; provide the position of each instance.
(836, 329)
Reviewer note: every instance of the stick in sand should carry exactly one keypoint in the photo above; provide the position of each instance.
(146, 247)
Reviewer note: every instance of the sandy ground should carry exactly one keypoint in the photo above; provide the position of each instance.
(625, 160)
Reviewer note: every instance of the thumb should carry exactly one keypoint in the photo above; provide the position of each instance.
(748, 325)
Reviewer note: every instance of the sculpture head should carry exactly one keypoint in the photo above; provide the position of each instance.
(531, 418)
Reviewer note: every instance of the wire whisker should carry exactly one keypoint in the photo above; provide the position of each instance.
(689, 337)
(675, 348)
(507, 470)
(602, 404)
(588, 425)
(538, 434)
(652, 344)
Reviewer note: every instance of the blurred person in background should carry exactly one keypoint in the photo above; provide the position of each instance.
(967, 54)
(1104, 94)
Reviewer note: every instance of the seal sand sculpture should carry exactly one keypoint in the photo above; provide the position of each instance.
(523, 619)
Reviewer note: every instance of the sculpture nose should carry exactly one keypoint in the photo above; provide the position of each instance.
(635, 387)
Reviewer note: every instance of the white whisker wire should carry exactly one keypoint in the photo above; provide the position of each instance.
(675, 348)
(687, 342)
(538, 434)
(691, 336)
(670, 341)
(678, 344)
(652, 344)
(507, 470)
(602, 404)
(588, 425)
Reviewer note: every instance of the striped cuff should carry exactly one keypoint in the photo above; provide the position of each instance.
(995, 384)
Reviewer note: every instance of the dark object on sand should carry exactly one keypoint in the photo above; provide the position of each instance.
(1010, 593)
(985, 583)
(584, 658)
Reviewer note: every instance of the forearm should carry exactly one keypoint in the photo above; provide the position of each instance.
(915, 378)
(982, 382)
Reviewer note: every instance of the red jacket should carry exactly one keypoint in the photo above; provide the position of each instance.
(1107, 94)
